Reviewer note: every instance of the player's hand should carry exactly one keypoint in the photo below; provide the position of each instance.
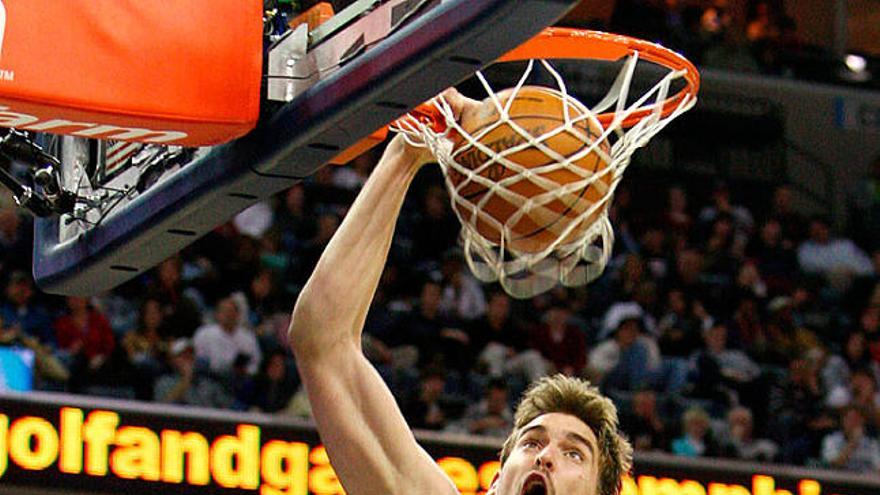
(459, 103)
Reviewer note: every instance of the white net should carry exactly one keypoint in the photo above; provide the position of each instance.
(580, 246)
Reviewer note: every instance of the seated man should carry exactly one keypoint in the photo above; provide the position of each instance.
(565, 438)
(852, 447)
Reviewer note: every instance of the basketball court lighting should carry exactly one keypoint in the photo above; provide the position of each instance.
(856, 70)
(855, 63)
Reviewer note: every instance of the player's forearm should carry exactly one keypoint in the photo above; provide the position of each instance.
(334, 303)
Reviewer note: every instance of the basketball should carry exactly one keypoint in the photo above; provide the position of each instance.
(532, 174)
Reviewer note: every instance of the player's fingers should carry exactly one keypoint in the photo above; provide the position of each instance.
(458, 102)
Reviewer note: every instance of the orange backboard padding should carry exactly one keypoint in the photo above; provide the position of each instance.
(189, 70)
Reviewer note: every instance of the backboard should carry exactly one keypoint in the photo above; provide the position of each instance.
(375, 64)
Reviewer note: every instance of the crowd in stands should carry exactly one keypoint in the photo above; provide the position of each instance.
(719, 329)
(757, 36)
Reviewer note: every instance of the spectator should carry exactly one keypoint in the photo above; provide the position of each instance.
(740, 442)
(182, 314)
(681, 328)
(275, 385)
(294, 219)
(632, 272)
(238, 270)
(267, 312)
(427, 408)
(776, 257)
(625, 309)
(864, 288)
(740, 217)
(644, 424)
(219, 343)
(750, 283)
(240, 383)
(786, 336)
(647, 297)
(22, 310)
(629, 360)
(838, 368)
(50, 371)
(747, 324)
(720, 252)
(302, 264)
(560, 343)
(764, 32)
(838, 260)
(145, 349)
(491, 416)
(723, 46)
(440, 341)
(860, 391)
(762, 23)
(502, 344)
(792, 222)
(84, 334)
(725, 376)
(689, 275)
(463, 296)
(797, 413)
(677, 218)
(354, 176)
(435, 229)
(696, 439)
(255, 220)
(655, 254)
(852, 447)
(185, 384)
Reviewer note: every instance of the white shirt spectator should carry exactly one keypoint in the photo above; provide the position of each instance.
(221, 342)
(839, 254)
(864, 458)
(462, 295)
(825, 256)
(255, 220)
(851, 447)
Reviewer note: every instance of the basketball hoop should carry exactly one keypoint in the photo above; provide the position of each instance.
(583, 248)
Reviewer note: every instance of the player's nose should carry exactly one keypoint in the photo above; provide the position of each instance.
(546, 458)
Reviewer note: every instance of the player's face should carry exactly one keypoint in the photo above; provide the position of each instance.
(556, 454)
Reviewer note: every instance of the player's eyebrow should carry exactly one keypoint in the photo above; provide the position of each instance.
(578, 438)
(538, 428)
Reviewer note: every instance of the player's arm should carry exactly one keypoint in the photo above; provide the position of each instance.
(369, 443)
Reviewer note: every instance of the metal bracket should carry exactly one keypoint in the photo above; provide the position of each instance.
(289, 66)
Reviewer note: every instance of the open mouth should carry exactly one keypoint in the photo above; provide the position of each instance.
(535, 484)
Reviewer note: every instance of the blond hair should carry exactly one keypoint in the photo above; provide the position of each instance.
(564, 394)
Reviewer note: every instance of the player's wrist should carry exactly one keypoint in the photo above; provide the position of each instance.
(409, 154)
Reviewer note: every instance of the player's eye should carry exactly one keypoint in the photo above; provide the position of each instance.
(530, 444)
(575, 455)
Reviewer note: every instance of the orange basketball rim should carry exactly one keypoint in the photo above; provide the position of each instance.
(573, 44)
